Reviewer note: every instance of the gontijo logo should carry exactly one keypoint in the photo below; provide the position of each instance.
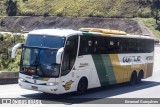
(67, 86)
(132, 59)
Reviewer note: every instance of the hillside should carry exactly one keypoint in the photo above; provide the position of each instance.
(142, 26)
(77, 8)
(19, 24)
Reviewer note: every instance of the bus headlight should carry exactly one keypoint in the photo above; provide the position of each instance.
(21, 80)
(52, 83)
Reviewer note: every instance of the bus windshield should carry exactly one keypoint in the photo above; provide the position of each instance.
(39, 55)
(43, 61)
(45, 41)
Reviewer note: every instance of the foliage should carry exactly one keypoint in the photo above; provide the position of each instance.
(11, 7)
(156, 10)
(7, 41)
(151, 24)
(144, 12)
(2, 7)
(84, 8)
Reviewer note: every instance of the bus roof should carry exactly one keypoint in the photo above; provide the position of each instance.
(112, 33)
(70, 32)
(55, 32)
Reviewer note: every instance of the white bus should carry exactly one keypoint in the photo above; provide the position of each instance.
(60, 61)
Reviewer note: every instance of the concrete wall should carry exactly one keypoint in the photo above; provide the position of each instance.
(8, 77)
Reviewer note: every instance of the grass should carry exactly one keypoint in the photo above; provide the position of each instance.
(151, 24)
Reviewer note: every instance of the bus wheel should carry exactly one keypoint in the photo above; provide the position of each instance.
(133, 78)
(140, 76)
(82, 85)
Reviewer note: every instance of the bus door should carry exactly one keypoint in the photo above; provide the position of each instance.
(68, 70)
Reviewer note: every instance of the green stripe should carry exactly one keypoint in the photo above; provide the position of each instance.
(100, 67)
(109, 68)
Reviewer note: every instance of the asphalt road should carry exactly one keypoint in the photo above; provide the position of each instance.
(149, 88)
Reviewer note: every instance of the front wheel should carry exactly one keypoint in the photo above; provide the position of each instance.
(82, 86)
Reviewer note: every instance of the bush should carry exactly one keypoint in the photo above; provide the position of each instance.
(7, 42)
(11, 8)
(27, 12)
(144, 12)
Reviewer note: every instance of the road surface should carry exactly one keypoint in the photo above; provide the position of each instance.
(149, 88)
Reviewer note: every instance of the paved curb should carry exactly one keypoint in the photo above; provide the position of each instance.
(8, 78)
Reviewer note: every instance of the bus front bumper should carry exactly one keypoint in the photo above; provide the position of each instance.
(37, 87)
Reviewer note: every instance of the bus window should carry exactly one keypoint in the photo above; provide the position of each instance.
(112, 45)
(86, 45)
(100, 45)
(70, 53)
(149, 45)
(131, 46)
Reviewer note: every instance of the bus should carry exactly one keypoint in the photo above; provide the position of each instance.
(60, 61)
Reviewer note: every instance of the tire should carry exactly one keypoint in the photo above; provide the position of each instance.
(82, 86)
(140, 76)
(133, 79)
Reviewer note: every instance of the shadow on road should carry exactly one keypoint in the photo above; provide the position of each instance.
(92, 94)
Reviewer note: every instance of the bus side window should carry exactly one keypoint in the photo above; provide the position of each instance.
(119, 46)
(99, 45)
(86, 45)
(112, 46)
(131, 45)
(149, 45)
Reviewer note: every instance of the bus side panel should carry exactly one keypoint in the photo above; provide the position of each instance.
(86, 68)
(150, 62)
(133, 62)
(67, 83)
(122, 72)
(104, 69)
(149, 70)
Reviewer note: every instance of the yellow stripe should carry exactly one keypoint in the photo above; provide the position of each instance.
(118, 70)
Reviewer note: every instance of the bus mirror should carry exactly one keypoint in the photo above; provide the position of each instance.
(59, 55)
(14, 49)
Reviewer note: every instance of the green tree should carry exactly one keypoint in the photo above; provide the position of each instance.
(11, 7)
(156, 10)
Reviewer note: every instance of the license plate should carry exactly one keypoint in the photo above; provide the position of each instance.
(34, 88)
